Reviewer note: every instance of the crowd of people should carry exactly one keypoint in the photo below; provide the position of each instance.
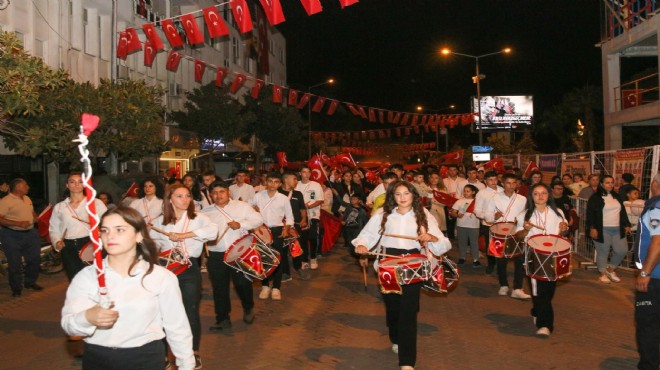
(197, 219)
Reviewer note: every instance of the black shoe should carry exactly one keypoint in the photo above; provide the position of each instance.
(198, 362)
(461, 261)
(15, 293)
(35, 287)
(286, 277)
(476, 264)
(221, 325)
(302, 274)
(489, 269)
(248, 316)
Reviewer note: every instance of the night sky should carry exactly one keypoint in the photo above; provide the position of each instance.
(385, 53)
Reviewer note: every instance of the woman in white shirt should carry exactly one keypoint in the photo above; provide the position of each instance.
(541, 217)
(183, 228)
(150, 199)
(69, 224)
(145, 303)
(402, 214)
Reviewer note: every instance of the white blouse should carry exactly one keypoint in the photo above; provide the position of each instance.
(235, 210)
(71, 223)
(203, 228)
(149, 209)
(547, 220)
(273, 209)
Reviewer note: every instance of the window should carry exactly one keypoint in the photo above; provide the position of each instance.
(39, 49)
(234, 48)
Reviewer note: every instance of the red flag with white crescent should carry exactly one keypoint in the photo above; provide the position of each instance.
(132, 191)
(238, 82)
(333, 107)
(281, 159)
(43, 222)
(404, 121)
(133, 43)
(200, 66)
(470, 208)
(312, 6)
(318, 105)
(195, 36)
(496, 164)
(318, 172)
(171, 33)
(381, 116)
(273, 10)
(152, 35)
(345, 158)
(345, 3)
(453, 157)
(363, 113)
(149, 54)
(444, 198)
(372, 115)
(352, 108)
(256, 88)
(396, 119)
(415, 117)
(220, 75)
(304, 100)
(214, 22)
(293, 96)
(239, 9)
(277, 94)
(173, 60)
(122, 45)
(530, 168)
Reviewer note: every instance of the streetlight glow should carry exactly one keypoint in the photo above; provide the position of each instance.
(445, 51)
(331, 80)
(419, 108)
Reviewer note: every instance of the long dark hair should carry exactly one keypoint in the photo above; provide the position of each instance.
(390, 205)
(531, 207)
(160, 188)
(195, 192)
(169, 215)
(67, 192)
(601, 190)
(147, 247)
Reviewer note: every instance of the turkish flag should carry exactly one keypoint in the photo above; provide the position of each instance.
(320, 101)
(351, 108)
(332, 230)
(630, 98)
(220, 75)
(345, 3)
(171, 33)
(344, 158)
(149, 54)
(372, 115)
(530, 167)
(444, 198)
(390, 116)
(318, 172)
(273, 10)
(239, 80)
(173, 60)
(152, 36)
(404, 120)
(277, 94)
(381, 116)
(311, 6)
(415, 117)
(256, 88)
(397, 117)
(214, 22)
(293, 97)
(195, 36)
(303, 101)
(496, 164)
(470, 208)
(333, 107)
(43, 222)
(453, 157)
(200, 66)
(132, 191)
(239, 9)
(133, 43)
(122, 45)
(281, 159)
(363, 114)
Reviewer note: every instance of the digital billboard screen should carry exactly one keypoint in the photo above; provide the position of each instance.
(504, 112)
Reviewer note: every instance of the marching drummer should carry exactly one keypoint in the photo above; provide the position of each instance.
(541, 217)
(181, 228)
(234, 218)
(403, 214)
(150, 199)
(504, 207)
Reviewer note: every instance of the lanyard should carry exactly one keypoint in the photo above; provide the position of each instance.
(541, 221)
(145, 203)
(224, 213)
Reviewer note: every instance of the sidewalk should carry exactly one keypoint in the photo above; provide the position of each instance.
(330, 322)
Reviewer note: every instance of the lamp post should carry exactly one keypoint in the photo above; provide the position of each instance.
(477, 78)
(329, 81)
(420, 108)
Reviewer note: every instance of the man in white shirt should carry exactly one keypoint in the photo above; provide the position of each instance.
(274, 207)
(314, 196)
(240, 190)
(472, 179)
(481, 201)
(453, 183)
(234, 219)
(504, 207)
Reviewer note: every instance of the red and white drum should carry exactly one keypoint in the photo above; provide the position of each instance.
(393, 272)
(86, 253)
(444, 276)
(503, 243)
(254, 260)
(293, 244)
(548, 257)
(263, 234)
(174, 260)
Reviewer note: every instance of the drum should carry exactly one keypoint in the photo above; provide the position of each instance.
(393, 272)
(174, 260)
(263, 234)
(255, 260)
(503, 243)
(548, 257)
(444, 276)
(293, 244)
(86, 253)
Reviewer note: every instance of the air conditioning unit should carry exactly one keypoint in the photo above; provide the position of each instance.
(175, 89)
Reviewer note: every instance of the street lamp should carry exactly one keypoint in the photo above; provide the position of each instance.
(329, 81)
(420, 108)
(477, 78)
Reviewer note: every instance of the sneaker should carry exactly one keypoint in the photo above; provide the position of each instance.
(543, 332)
(476, 264)
(612, 276)
(313, 264)
(265, 292)
(520, 294)
(504, 290)
(276, 295)
(395, 348)
(302, 274)
(305, 266)
(198, 362)
(221, 325)
(286, 277)
(604, 279)
(461, 261)
(248, 316)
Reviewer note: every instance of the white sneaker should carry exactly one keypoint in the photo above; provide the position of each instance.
(520, 294)
(395, 348)
(604, 279)
(276, 295)
(504, 290)
(265, 292)
(612, 276)
(543, 332)
(305, 266)
(313, 264)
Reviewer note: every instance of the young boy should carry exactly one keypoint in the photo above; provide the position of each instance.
(355, 217)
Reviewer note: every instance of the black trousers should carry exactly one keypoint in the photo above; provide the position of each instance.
(220, 274)
(542, 294)
(517, 271)
(647, 325)
(190, 283)
(401, 317)
(278, 245)
(485, 231)
(150, 356)
(71, 258)
(23, 244)
(451, 224)
(309, 240)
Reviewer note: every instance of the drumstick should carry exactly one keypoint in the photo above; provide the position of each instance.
(400, 236)
(364, 276)
(383, 255)
(538, 227)
(154, 228)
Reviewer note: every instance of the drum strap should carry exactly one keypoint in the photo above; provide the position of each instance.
(74, 214)
(182, 243)
(145, 203)
(224, 213)
(508, 207)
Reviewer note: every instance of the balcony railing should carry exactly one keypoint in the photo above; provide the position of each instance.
(635, 93)
(624, 15)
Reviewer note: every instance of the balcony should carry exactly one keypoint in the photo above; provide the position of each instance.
(635, 93)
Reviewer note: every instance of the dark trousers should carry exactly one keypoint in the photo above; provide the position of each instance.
(542, 303)
(401, 318)
(350, 233)
(278, 245)
(517, 271)
(309, 240)
(451, 224)
(190, 283)
(220, 274)
(485, 231)
(71, 258)
(647, 322)
(150, 356)
(19, 244)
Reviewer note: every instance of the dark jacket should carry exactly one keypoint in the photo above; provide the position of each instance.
(595, 206)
